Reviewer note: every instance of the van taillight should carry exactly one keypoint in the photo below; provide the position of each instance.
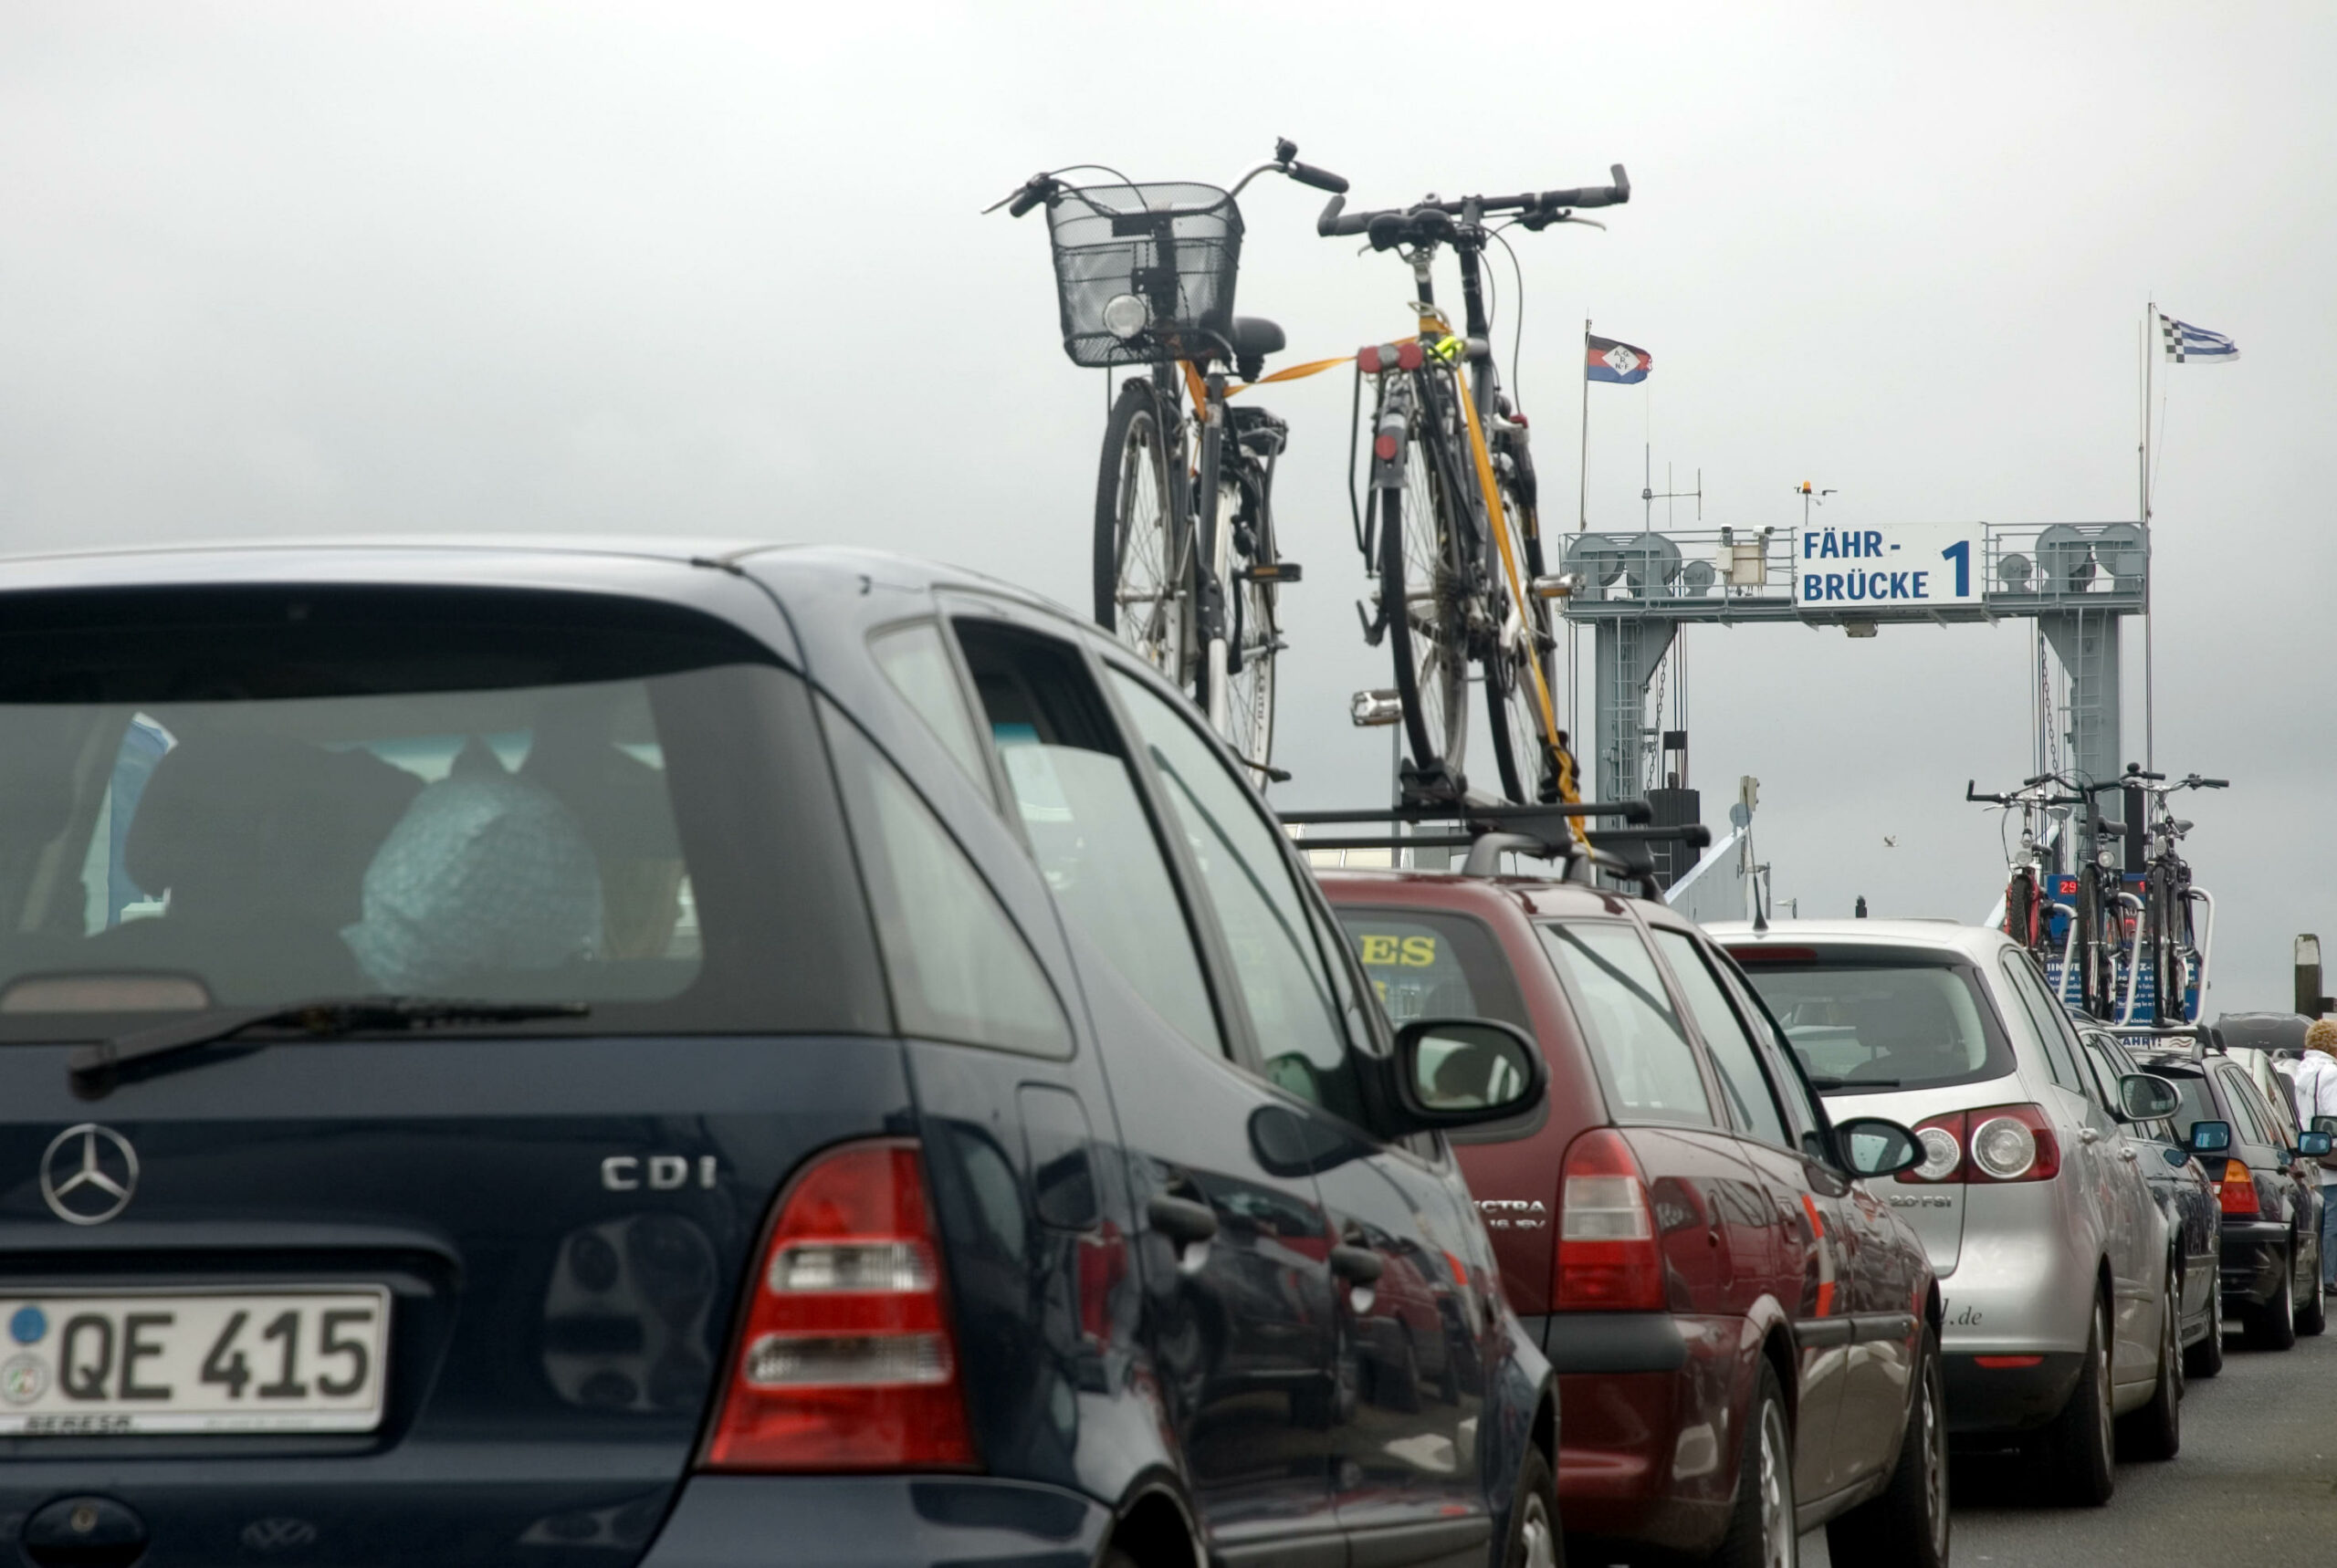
(2237, 1191)
(1608, 1259)
(846, 1360)
(1941, 1138)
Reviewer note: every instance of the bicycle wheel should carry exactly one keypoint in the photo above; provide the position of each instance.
(1422, 594)
(1513, 705)
(2092, 995)
(1253, 634)
(1143, 561)
(2020, 908)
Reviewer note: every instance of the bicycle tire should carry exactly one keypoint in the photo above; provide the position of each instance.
(2020, 908)
(1423, 574)
(1143, 539)
(2090, 936)
(1254, 630)
(1522, 752)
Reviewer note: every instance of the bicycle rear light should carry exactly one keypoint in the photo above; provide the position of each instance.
(1381, 357)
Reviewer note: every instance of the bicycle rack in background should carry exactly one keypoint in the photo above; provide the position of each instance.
(1489, 832)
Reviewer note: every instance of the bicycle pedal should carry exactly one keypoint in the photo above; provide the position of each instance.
(1272, 571)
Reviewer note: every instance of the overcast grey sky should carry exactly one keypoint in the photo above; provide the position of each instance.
(698, 269)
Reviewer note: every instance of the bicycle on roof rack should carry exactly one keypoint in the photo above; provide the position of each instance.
(1545, 831)
(1451, 531)
(2109, 934)
(1186, 566)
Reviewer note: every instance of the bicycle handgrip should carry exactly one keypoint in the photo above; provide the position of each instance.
(1330, 224)
(1321, 179)
(1614, 195)
(2215, 783)
(1030, 195)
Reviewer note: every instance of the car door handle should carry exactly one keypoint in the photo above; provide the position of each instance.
(1358, 1264)
(2128, 1154)
(1180, 1220)
(2088, 1136)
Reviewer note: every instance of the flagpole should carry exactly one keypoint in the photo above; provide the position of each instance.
(1581, 523)
(2150, 713)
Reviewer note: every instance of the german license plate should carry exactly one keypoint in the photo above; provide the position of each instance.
(75, 1366)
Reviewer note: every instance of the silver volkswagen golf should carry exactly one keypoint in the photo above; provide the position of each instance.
(2055, 1258)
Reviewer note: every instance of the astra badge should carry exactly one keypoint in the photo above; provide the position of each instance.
(88, 1174)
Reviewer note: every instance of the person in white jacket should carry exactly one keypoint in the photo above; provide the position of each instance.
(2316, 1095)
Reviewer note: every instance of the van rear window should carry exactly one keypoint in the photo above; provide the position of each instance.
(256, 799)
(1428, 965)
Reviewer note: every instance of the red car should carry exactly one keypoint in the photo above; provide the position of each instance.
(1748, 1338)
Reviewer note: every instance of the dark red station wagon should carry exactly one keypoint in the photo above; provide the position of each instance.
(1748, 1338)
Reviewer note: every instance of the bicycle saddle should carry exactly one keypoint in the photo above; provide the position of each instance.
(1254, 337)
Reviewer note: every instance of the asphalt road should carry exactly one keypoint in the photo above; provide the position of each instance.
(2256, 1483)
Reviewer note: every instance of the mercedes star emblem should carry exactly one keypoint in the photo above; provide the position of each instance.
(88, 1174)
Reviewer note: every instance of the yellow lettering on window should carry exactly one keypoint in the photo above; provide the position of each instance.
(1419, 952)
(1378, 949)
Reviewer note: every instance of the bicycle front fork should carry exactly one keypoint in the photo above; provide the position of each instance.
(1215, 555)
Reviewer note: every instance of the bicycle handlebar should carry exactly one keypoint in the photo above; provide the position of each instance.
(1549, 206)
(1044, 187)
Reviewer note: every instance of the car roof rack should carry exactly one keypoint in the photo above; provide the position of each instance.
(1489, 831)
(2202, 1036)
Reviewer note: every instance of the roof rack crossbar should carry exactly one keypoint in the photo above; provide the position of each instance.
(1457, 811)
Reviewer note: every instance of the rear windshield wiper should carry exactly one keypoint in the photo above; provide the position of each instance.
(94, 1067)
(1815, 1082)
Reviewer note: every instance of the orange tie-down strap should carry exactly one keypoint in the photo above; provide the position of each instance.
(1291, 373)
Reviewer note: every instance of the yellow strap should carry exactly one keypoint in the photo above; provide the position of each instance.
(1291, 373)
(1194, 385)
(1498, 519)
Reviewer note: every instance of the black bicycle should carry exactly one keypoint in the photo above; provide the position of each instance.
(1451, 531)
(2175, 949)
(1187, 569)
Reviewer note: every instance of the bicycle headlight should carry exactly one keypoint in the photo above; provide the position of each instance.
(1125, 315)
(2107, 859)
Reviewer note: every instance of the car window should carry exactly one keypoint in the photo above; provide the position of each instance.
(1428, 964)
(1084, 816)
(916, 660)
(2100, 1058)
(2033, 1017)
(2242, 1091)
(1879, 1019)
(959, 968)
(1751, 1104)
(456, 792)
(2248, 1124)
(1638, 1044)
(1294, 1003)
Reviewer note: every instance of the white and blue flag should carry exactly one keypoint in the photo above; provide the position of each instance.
(2188, 345)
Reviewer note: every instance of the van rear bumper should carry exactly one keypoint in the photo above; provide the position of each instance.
(759, 1521)
(2016, 1398)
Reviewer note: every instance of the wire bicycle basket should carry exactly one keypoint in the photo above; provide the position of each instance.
(1145, 273)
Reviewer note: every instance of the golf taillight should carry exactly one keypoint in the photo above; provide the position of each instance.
(1995, 1143)
(1941, 1138)
(2237, 1191)
(1608, 1259)
(846, 1360)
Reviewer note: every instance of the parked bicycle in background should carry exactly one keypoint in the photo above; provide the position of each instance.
(1452, 530)
(1186, 565)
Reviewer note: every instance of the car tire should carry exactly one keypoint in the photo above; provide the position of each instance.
(2314, 1316)
(2079, 1442)
(2155, 1431)
(1534, 1538)
(1907, 1523)
(2206, 1358)
(1761, 1532)
(2273, 1326)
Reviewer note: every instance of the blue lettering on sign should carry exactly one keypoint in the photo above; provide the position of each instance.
(1855, 544)
(1960, 552)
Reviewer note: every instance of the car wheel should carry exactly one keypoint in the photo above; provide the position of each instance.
(2314, 1316)
(1908, 1522)
(1533, 1541)
(2206, 1358)
(1761, 1531)
(2079, 1442)
(2155, 1431)
(2273, 1326)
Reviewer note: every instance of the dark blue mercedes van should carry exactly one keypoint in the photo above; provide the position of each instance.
(578, 1054)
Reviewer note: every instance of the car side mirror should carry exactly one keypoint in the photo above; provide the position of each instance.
(1871, 1146)
(1465, 1072)
(2146, 1098)
(2313, 1145)
(2210, 1137)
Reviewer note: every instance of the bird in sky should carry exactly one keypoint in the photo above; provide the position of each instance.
(1889, 841)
